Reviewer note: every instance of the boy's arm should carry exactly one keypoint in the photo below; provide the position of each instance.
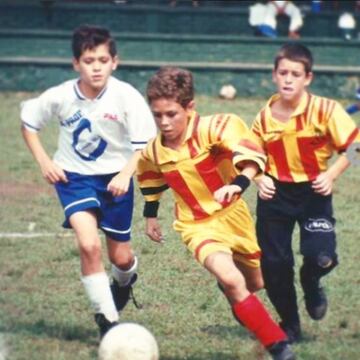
(343, 132)
(323, 184)
(248, 158)
(152, 185)
(50, 171)
(119, 184)
(239, 184)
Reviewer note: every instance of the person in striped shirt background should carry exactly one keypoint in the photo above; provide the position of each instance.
(299, 132)
(208, 162)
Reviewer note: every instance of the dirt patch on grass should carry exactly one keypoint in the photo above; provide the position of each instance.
(22, 191)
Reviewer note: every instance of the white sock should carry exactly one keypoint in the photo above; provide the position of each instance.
(123, 277)
(97, 287)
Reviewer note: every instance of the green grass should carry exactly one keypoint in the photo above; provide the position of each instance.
(44, 313)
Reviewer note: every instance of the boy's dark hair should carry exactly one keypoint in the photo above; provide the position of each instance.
(87, 37)
(295, 52)
(171, 83)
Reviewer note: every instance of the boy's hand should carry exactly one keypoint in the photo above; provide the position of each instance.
(119, 184)
(226, 193)
(52, 173)
(323, 184)
(266, 187)
(153, 230)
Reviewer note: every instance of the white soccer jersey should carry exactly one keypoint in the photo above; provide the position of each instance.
(97, 136)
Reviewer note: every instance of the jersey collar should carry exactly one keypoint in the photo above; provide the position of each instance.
(81, 96)
(301, 108)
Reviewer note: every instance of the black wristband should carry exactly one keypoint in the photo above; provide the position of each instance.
(242, 181)
(151, 209)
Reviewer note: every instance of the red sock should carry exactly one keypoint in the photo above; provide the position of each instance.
(253, 315)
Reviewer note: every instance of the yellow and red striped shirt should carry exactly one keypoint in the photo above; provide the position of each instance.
(209, 158)
(299, 149)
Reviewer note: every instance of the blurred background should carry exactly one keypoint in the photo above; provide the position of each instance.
(222, 42)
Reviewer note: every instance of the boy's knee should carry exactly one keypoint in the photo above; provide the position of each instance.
(233, 282)
(91, 251)
(320, 264)
(123, 260)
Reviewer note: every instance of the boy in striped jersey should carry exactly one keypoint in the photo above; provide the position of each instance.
(208, 162)
(104, 123)
(300, 132)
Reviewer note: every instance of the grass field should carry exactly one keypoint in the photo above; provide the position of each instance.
(44, 314)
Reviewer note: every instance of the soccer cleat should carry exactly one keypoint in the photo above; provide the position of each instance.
(281, 351)
(104, 324)
(122, 294)
(293, 332)
(314, 296)
(316, 303)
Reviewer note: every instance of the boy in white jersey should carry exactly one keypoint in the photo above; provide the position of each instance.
(104, 123)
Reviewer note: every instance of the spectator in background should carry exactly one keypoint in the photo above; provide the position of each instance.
(264, 18)
(353, 108)
(195, 3)
(316, 6)
(347, 25)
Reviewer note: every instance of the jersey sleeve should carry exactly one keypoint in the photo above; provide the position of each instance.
(36, 112)
(342, 129)
(256, 130)
(151, 181)
(235, 136)
(140, 120)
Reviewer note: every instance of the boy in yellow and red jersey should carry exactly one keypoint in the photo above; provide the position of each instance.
(208, 162)
(299, 132)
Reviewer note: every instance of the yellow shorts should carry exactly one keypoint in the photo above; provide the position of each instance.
(230, 230)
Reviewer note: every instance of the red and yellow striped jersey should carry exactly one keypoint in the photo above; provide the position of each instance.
(299, 149)
(201, 165)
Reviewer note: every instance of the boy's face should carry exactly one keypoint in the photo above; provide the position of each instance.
(171, 119)
(95, 66)
(291, 79)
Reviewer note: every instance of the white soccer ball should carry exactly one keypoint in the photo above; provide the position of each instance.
(227, 92)
(128, 341)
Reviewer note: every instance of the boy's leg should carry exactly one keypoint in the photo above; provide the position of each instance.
(94, 278)
(115, 222)
(247, 308)
(123, 269)
(277, 266)
(318, 246)
(253, 277)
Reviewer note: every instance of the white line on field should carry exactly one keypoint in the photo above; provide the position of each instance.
(34, 235)
(3, 348)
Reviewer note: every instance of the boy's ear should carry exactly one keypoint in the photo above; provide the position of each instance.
(273, 76)
(116, 62)
(190, 106)
(75, 63)
(309, 78)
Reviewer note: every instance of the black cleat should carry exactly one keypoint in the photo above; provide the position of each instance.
(281, 351)
(122, 294)
(104, 324)
(315, 298)
(293, 332)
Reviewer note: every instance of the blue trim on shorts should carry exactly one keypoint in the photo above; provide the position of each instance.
(89, 193)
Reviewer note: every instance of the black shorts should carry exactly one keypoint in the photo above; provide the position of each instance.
(295, 203)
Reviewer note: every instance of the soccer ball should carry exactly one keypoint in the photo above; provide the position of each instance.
(128, 341)
(227, 92)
